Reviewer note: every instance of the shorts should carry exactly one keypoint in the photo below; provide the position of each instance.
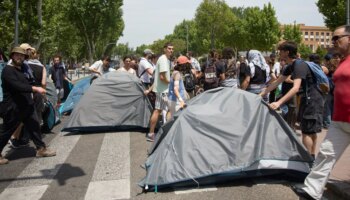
(311, 115)
(60, 93)
(161, 101)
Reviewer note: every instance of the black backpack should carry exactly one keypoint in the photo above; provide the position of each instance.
(210, 78)
(189, 82)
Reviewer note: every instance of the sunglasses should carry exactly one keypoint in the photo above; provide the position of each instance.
(337, 37)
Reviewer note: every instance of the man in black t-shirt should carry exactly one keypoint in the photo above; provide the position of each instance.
(311, 105)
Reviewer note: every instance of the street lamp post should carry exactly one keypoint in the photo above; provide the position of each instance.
(16, 23)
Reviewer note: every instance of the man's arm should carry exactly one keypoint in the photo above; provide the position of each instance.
(94, 67)
(162, 77)
(293, 91)
(273, 85)
(43, 80)
(245, 83)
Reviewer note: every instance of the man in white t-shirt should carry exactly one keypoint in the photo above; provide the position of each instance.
(160, 87)
(145, 70)
(100, 67)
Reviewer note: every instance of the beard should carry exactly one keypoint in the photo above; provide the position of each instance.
(17, 62)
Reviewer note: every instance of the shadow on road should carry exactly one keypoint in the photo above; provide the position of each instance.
(66, 171)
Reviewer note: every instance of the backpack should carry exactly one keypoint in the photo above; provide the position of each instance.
(319, 77)
(231, 69)
(50, 117)
(210, 78)
(189, 82)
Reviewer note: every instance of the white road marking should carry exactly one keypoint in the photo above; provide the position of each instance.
(187, 191)
(20, 193)
(41, 171)
(111, 178)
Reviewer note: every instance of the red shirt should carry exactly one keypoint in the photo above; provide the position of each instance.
(341, 78)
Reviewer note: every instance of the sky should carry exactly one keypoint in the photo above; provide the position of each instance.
(150, 20)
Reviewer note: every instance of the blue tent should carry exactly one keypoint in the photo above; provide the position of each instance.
(75, 94)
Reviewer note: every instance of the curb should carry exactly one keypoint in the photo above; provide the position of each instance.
(341, 188)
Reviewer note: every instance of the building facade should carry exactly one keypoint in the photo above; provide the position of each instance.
(316, 36)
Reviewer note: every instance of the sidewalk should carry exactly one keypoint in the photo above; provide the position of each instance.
(339, 180)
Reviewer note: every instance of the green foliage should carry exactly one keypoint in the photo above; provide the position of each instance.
(74, 29)
(321, 52)
(214, 20)
(292, 33)
(304, 51)
(261, 27)
(334, 12)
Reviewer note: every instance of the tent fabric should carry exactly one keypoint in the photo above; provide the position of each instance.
(223, 134)
(75, 94)
(113, 102)
(51, 93)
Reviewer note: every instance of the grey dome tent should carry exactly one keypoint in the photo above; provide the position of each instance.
(223, 134)
(114, 102)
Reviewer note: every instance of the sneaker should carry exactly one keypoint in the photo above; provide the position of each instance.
(3, 160)
(301, 193)
(16, 144)
(150, 137)
(45, 152)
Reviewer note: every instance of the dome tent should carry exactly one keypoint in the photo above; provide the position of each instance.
(224, 134)
(114, 102)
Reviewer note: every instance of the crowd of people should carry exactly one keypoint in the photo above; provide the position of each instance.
(282, 79)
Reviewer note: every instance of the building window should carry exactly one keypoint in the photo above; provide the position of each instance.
(306, 39)
(306, 33)
(322, 33)
(327, 34)
(311, 33)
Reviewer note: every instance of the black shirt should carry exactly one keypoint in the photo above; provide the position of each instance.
(300, 70)
(16, 88)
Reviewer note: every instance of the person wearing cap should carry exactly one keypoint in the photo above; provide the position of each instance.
(145, 69)
(19, 105)
(176, 95)
(39, 73)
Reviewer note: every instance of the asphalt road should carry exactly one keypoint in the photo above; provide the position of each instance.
(107, 166)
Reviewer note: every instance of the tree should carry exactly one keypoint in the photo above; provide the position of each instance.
(213, 21)
(98, 22)
(321, 52)
(292, 33)
(261, 27)
(304, 51)
(334, 12)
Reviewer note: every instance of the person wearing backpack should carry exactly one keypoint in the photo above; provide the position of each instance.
(176, 95)
(231, 71)
(312, 101)
(212, 71)
(257, 73)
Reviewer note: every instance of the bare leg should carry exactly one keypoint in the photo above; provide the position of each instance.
(154, 119)
(309, 141)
